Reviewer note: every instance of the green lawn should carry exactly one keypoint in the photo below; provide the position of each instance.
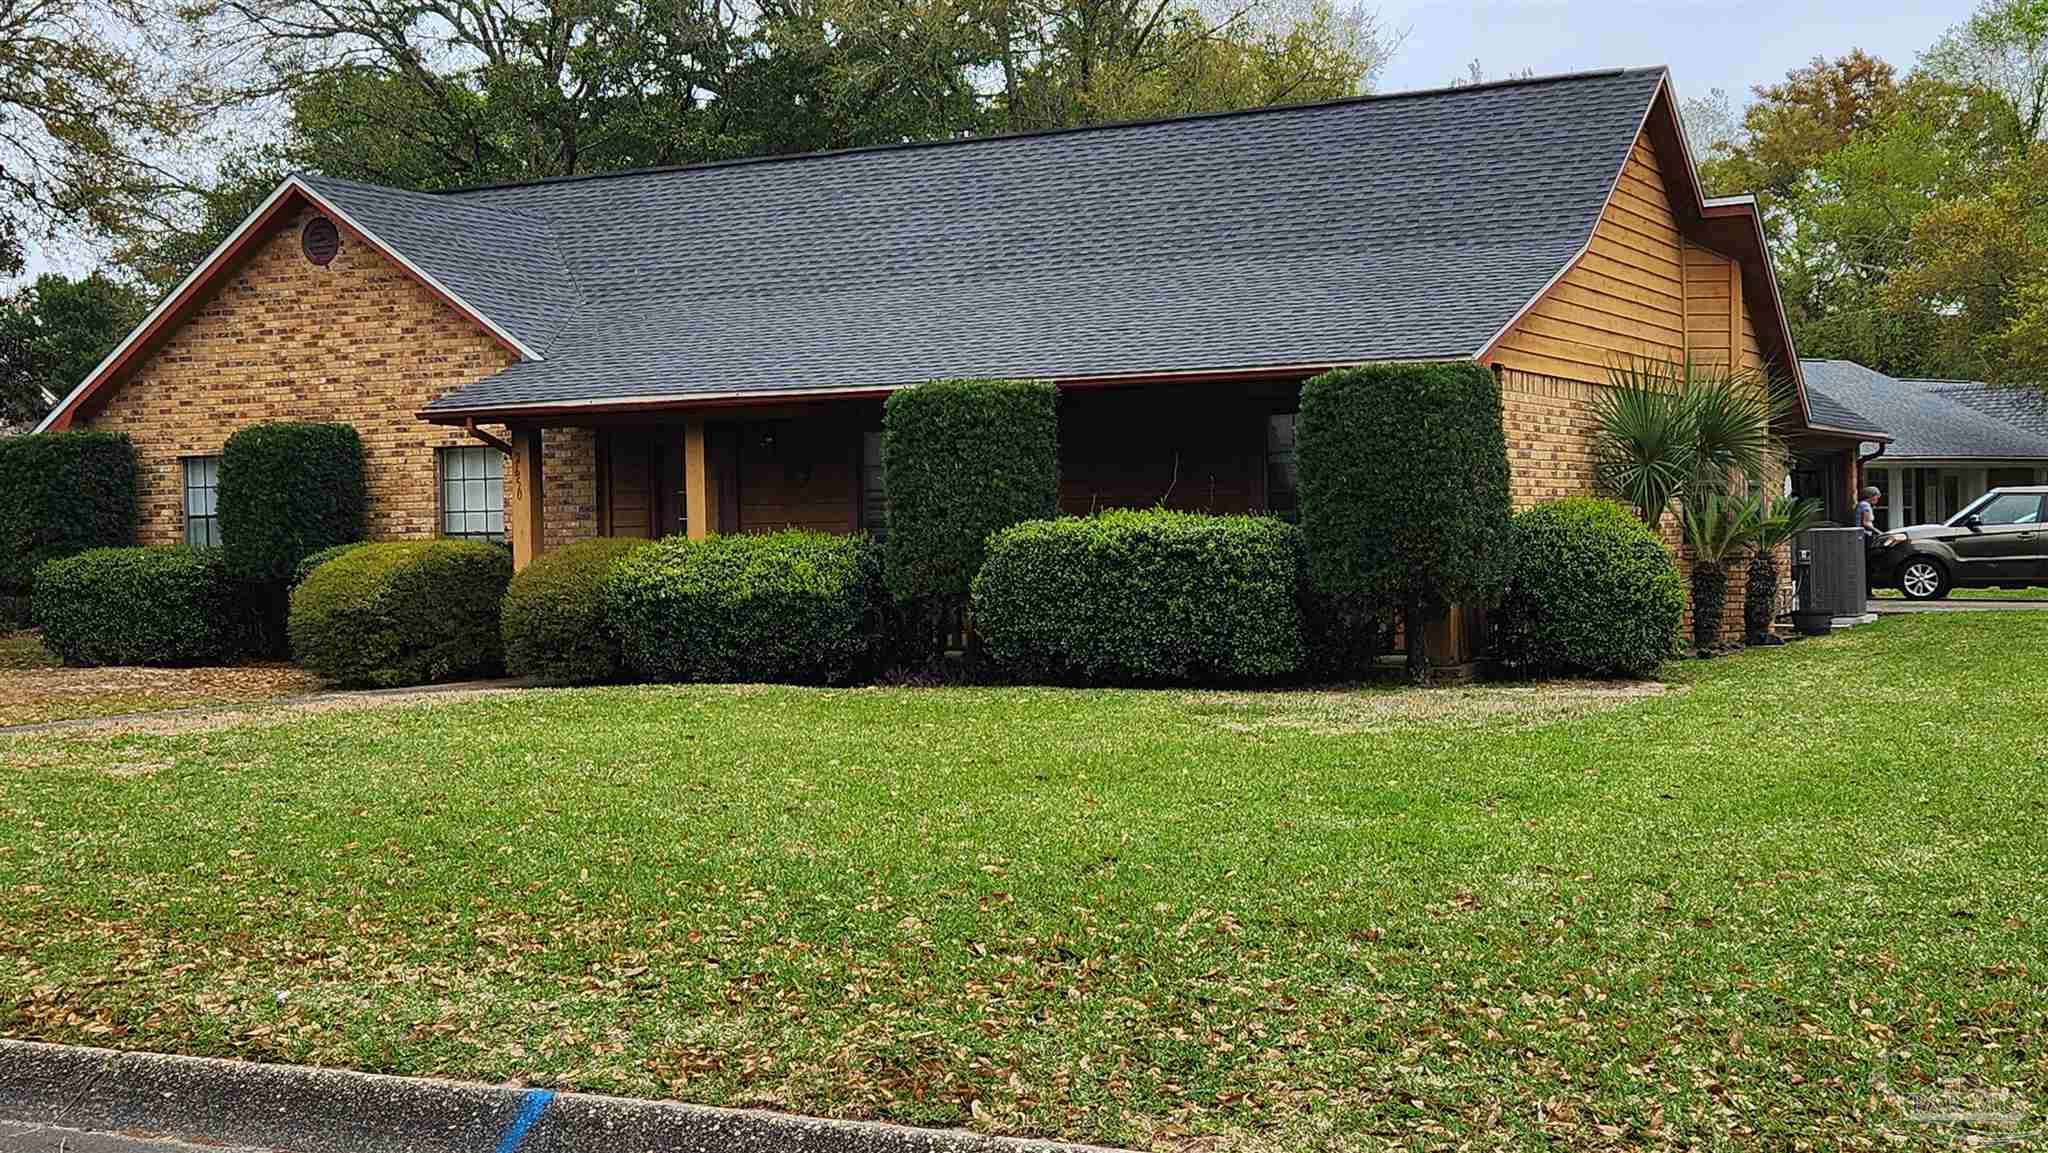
(1719, 917)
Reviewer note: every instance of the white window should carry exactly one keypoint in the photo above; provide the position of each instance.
(473, 493)
(202, 501)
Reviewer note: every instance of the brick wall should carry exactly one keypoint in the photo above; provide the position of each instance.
(568, 467)
(1549, 425)
(281, 338)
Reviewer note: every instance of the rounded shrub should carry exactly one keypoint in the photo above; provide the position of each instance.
(402, 613)
(1126, 597)
(305, 568)
(139, 606)
(287, 491)
(801, 607)
(1592, 591)
(554, 621)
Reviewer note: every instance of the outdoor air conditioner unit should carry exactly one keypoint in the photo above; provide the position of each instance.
(1836, 583)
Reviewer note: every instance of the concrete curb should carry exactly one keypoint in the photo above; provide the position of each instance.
(308, 1110)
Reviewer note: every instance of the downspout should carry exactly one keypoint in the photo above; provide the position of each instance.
(1856, 483)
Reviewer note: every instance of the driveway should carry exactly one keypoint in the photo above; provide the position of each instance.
(1973, 605)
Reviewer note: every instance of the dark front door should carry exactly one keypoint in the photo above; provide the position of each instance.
(642, 483)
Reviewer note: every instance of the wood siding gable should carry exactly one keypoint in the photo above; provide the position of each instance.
(1641, 290)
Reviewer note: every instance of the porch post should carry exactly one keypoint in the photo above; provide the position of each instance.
(1735, 318)
(698, 498)
(1852, 477)
(523, 496)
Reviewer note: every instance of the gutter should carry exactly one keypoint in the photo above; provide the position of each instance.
(625, 406)
(1858, 433)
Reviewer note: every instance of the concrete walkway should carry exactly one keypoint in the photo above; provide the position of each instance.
(1901, 605)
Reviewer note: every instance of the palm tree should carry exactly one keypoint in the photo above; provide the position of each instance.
(1777, 522)
(1716, 528)
(1699, 436)
(1668, 429)
(1645, 446)
(1731, 420)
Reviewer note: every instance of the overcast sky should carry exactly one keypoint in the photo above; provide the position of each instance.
(1731, 44)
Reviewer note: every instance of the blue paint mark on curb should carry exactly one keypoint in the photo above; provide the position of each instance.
(530, 1110)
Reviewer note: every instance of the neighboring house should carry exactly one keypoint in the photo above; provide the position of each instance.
(1951, 441)
(707, 349)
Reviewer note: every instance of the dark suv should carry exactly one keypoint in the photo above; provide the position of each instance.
(2000, 540)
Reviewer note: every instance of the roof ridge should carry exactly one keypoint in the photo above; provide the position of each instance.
(516, 210)
(1001, 137)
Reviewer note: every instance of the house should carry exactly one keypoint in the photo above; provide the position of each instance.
(707, 349)
(1951, 441)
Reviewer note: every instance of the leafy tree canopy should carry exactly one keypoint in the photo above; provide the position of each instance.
(88, 103)
(1909, 213)
(439, 95)
(53, 333)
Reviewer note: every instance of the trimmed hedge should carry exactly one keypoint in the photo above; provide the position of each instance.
(961, 459)
(402, 613)
(62, 493)
(1142, 597)
(554, 622)
(1592, 591)
(1404, 487)
(288, 491)
(800, 607)
(140, 606)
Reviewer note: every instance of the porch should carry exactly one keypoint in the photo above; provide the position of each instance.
(1831, 469)
(817, 465)
(1932, 491)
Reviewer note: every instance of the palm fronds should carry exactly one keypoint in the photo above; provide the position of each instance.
(1786, 519)
(1644, 450)
(1718, 527)
(1668, 429)
(1731, 417)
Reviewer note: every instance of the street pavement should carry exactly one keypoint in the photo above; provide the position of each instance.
(17, 1137)
(1971, 605)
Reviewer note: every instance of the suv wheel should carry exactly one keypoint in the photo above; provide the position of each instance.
(1922, 579)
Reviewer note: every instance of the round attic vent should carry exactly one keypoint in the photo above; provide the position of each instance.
(320, 239)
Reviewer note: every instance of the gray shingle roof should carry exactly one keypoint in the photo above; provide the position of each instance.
(1925, 421)
(1410, 225)
(2023, 405)
(499, 259)
(1831, 413)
